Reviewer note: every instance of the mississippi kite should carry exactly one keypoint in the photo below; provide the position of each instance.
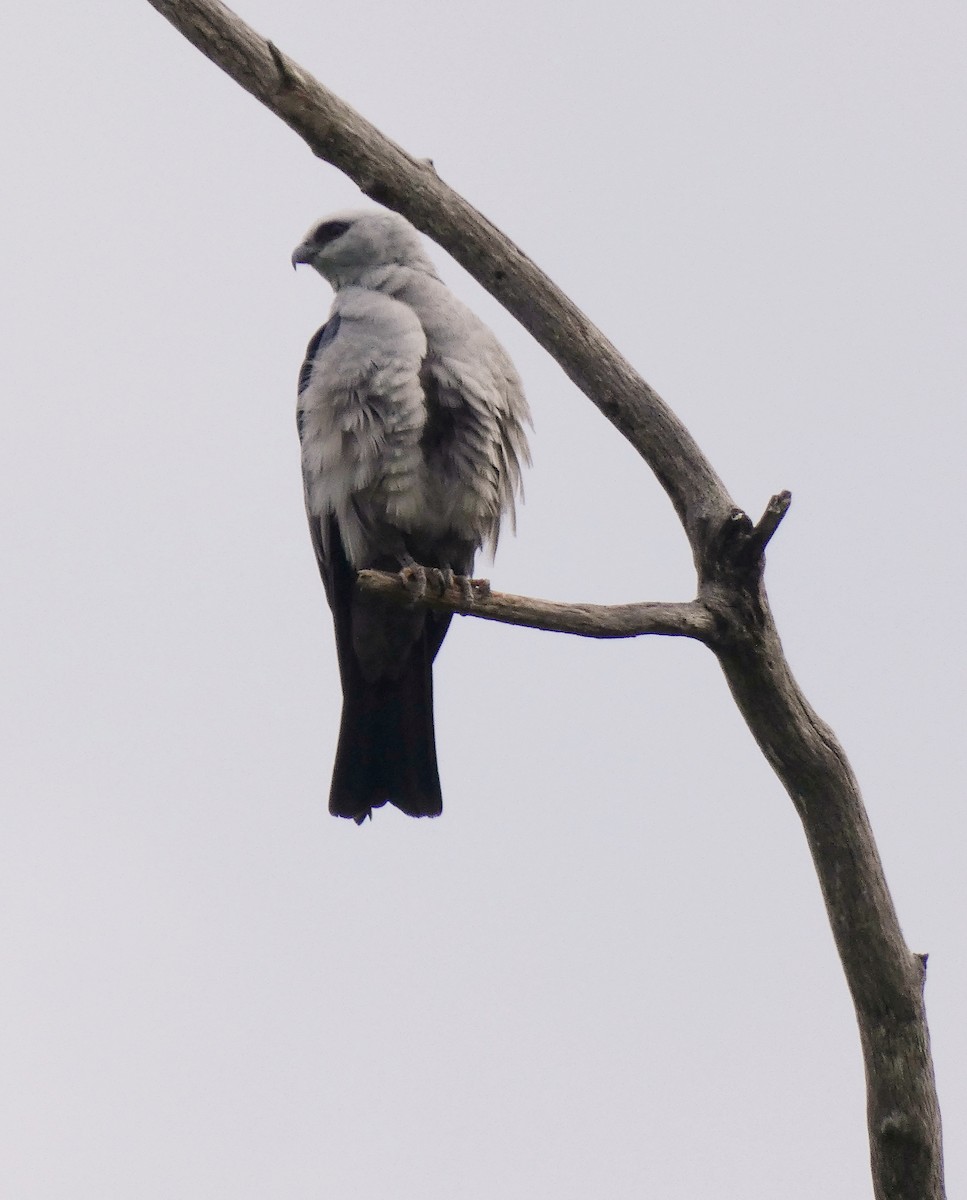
(411, 421)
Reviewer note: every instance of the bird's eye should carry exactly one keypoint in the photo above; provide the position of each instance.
(328, 231)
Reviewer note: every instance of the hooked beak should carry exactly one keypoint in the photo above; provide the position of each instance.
(301, 254)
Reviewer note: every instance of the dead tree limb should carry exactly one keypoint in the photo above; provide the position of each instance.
(730, 614)
(689, 619)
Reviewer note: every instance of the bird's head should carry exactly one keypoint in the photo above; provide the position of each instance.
(346, 246)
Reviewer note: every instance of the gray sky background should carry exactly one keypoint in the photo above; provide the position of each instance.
(606, 971)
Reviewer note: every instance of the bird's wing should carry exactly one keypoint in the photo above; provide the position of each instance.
(478, 442)
(361, 414)
(477, 412)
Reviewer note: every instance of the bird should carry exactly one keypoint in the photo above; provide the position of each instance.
(412, 425)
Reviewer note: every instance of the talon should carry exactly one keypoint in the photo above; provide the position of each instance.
(465, 588)
(479, 589)
(414, 577)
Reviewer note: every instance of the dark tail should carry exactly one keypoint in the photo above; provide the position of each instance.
(387, 749)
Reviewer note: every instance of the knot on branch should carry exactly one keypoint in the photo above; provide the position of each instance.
(734, 551)
(287, 79)
(731, 571)
(905, 1153)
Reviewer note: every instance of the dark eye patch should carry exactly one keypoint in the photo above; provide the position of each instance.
(328, 231)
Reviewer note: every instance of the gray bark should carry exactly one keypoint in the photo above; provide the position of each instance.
(730, 614)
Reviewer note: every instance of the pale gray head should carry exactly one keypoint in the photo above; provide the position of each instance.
(346, 246)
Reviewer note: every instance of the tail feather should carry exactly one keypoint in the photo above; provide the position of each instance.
(387, 749)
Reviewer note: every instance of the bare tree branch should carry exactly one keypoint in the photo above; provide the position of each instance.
(690, 619)
(731, 613)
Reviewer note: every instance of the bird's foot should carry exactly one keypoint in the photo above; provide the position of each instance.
(439, 580)
(419, 580)
(464, 586)
(414, 578)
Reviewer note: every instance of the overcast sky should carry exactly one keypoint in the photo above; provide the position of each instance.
(606, 971)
